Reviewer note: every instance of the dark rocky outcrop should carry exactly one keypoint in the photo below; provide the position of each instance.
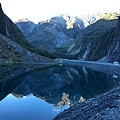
(105, 107)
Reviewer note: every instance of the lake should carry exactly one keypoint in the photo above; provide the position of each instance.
(40, 93)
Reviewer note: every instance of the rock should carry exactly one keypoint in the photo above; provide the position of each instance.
(106, 106)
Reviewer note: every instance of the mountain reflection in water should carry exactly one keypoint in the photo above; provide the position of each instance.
(48, 88)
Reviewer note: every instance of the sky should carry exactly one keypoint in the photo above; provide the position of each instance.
(38, 10)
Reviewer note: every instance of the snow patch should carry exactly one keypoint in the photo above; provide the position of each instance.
(116, 63)
(85, 73)
(69, 74)
(7, 31)
(22, 20)
(86, 52)
(115, 76)
(71, 47)
(74, 71)
(75, 52)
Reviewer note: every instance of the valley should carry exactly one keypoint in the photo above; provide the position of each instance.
(63, 61)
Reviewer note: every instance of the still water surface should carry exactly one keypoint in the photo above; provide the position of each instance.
(42, 93)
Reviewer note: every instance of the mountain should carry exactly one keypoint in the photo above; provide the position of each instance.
(67, 37)
(14, 46)
(25, 26)
(89, 19)
(99, 42)
(50, 34)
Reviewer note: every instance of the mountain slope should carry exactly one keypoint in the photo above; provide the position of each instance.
(99, 41)
(14, 46)
(13, 52)
(25, 26)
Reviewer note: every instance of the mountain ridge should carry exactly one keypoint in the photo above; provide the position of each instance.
(54, 36)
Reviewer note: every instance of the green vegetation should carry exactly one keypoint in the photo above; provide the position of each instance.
(7, 53)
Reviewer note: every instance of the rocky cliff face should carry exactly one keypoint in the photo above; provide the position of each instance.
(105, 106)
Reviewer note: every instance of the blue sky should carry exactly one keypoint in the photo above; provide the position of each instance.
(37, 10)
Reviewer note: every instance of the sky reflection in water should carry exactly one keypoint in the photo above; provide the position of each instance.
(28, 108)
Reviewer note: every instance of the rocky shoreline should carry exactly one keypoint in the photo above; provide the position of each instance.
(103, 107)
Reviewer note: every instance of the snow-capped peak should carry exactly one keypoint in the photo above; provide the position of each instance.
(22, 20)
